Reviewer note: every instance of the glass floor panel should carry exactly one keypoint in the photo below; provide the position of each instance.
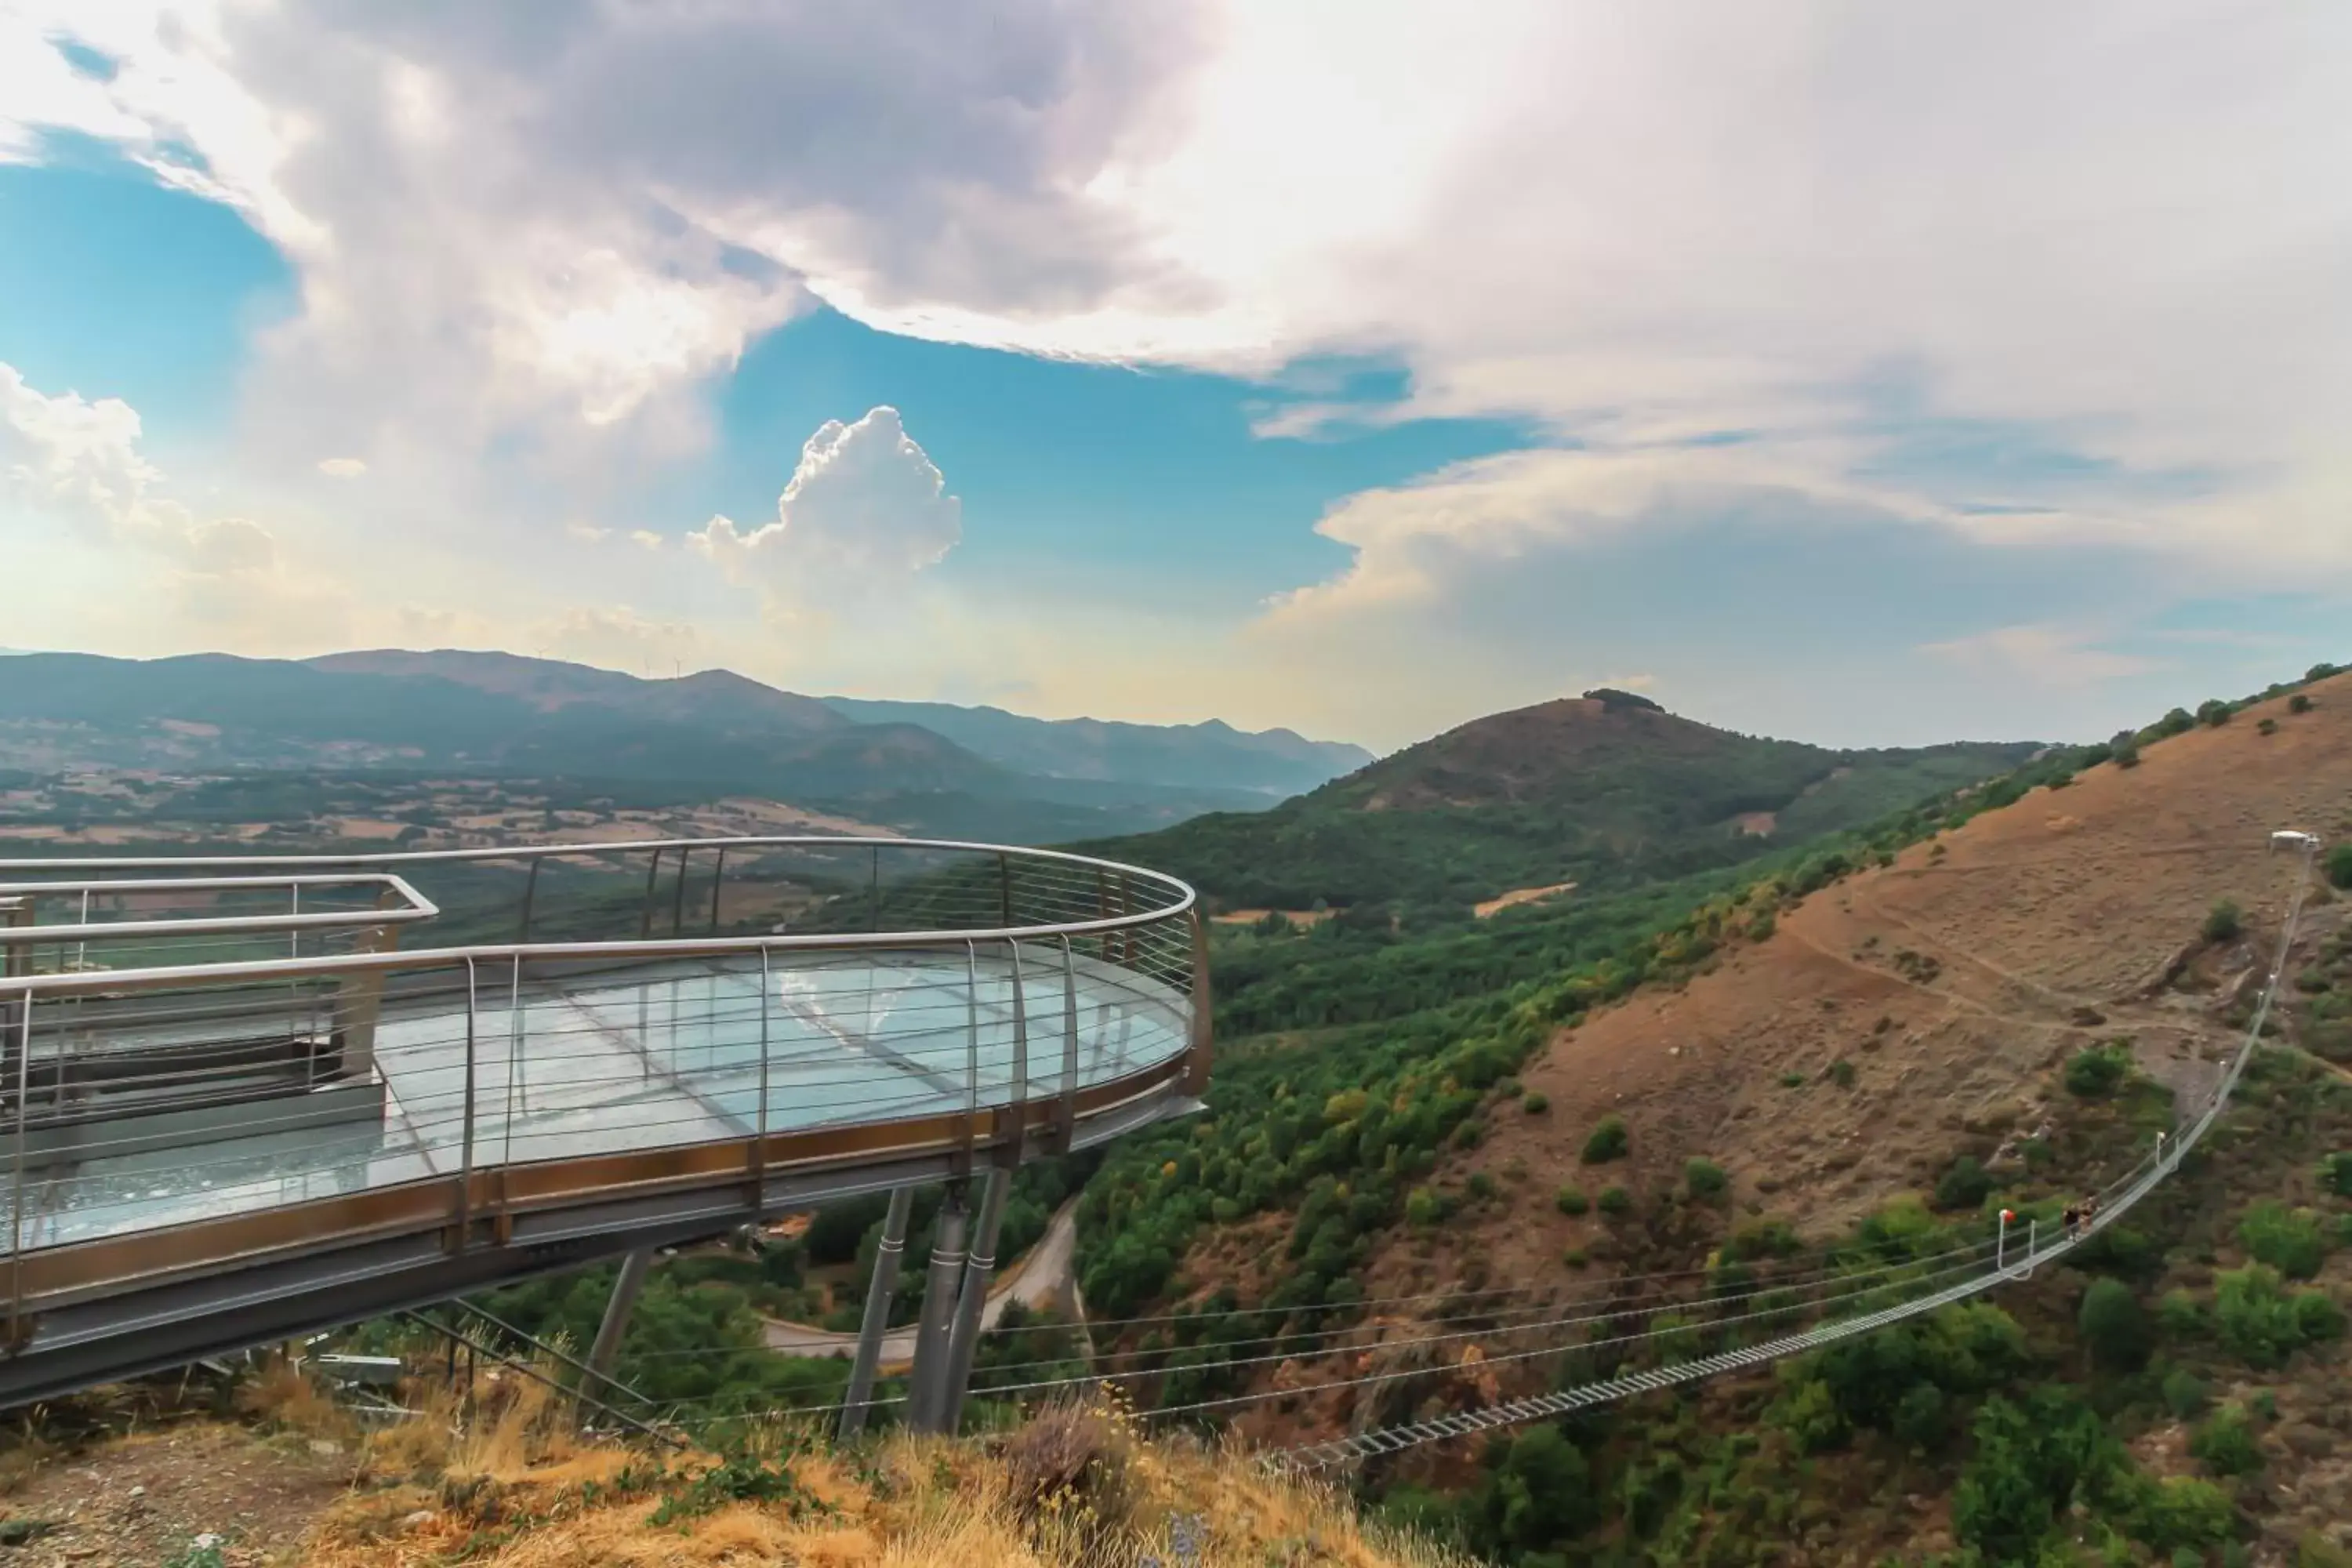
(675, 1055)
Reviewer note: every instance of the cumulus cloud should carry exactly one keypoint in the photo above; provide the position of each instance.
(2052, 655)
(618, 638)
(865, 507)
(342, 467)
(66, 459)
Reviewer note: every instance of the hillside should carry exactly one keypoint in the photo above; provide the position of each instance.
(1210, 755)
(504, 1483)
(1993, 1000)
(1604, 792)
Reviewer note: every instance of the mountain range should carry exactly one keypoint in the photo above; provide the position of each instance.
(501, 713)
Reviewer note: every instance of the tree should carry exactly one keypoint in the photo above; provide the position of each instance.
(2112, 1324)
(2094, 1073)
(2339, 865)
(2213, 712)
(1964, 1186)
(2289, 1240)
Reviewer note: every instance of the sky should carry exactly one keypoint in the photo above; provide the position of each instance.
(1865, 375)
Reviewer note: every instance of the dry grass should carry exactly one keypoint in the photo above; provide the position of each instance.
(1079, 1485)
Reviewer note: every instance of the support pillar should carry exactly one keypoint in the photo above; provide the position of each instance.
(876, 1322)
(972, 1303)
(924, 1409)
(606, 1351)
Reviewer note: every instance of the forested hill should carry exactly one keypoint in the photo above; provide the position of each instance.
(1606, 791)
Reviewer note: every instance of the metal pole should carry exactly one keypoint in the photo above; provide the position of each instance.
(530, 893)
(876, 1324)
(875, 888)
(1065, 1116)
(17, 1204)
(617, 1307)
(718, 877)
(677, 903)
(939, 1313)
(1005, 892)
(760, 1143)
(466, 1165)
(972, 1304)
(1016, 1141)
(646, 919)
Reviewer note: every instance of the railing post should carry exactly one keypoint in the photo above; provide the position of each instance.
(653, 879)
(760, 1136)
(1066, 1113)
(876, 1324)
(972, 1304)
(939, 1313)
(677, 901)
(961, 1160)
(466, 1154)
(717, 880)
(873, 890)
(1005, 892)
(530, 894)
(1203, 1043)
(1015, 1142)
(17, 1204)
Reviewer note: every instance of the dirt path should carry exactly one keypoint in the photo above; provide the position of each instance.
(1041, 1277)
(150, 1498)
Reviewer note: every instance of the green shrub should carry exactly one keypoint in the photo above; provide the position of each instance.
(1965, 1186)
(2298, 703)
(1808, 1414)
(1423, 1208)
(2181, 1316)
(1616, 1200)
(1922, 1416)
(2225, 1444)
(2093, 1074)
(2214, 712)
(1705, 1178)
(2182, 1513)
(2223, 922)
(1481, 1184)
(2185, 1394)
(2260, 1322)
(1842, 1073)
(2289, 1240)
(2267, 727)
(1536, 1104)
(1608, 1141)
(1571, 1200)
(2113, 1326)
(1793, 1081)
(1574, 1257)
(2336, 1173)
(2339, 865)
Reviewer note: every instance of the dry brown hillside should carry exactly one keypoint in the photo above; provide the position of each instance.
(1951, 982)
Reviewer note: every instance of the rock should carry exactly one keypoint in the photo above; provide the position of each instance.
(17, 1531)
(323, 1447)
(417, 1521)
(137, 1492)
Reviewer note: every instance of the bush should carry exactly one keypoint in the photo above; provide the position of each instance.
(2213, 712)
(2181, 1513)
(1922, 1416)
(2289, 1240)
(2113, 1326)
(2267, 727)
(1706, 1178)
(2093, 1074)
(2298, 703)
(2223, 922)
(2336, 1174)
(1423, 1208)
(2339, 865)
(1535, 1104)
(1842, 1073)
(1481, 1184)
(1616, 1200)
(2185, 1394)
(2182, 1317)
(1608, 1141)
(1965, 1186)
(1571, 1200)
(2226, 1445)
(1793, 1081)
(2260, 1322)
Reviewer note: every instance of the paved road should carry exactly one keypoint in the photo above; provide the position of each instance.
(1041, 1277)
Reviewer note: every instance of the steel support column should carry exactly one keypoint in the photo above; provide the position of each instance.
(925, 1408)
(859, 1400)
(973, 1302)
(617, 1307)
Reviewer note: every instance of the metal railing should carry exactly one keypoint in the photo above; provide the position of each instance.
(171, 1118)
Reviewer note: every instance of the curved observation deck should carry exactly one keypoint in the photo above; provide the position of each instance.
(243, 1097)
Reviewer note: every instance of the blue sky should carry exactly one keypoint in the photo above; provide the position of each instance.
(1250, 371)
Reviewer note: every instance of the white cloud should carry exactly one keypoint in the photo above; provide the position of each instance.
(2058, 656)
(645, 539)
(616, 636)
(865, 507)
(342, 467)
